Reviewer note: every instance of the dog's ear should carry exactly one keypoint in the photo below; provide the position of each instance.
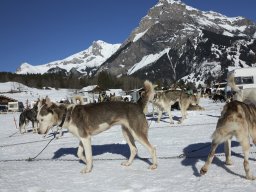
(48, 101)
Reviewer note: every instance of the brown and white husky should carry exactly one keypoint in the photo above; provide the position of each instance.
(84, 121)
(237, 119)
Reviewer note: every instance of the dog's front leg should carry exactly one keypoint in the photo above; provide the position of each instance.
(88, 153)
(170, 115)
(160, 112)
(80, 152)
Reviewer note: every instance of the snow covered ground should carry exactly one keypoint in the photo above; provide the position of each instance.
(57, 168)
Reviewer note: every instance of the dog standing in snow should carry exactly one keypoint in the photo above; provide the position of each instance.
(84, 121)
(237, 119)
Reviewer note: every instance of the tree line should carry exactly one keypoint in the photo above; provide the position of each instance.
(105, 80)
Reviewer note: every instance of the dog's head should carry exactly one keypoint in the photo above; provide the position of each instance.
(195, 99)
(46, 115)
(157, 96)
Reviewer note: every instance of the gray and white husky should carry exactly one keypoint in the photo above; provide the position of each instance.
(165, 99)
(84, 121)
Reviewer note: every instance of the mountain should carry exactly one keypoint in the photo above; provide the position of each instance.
(82, 63)
(175, 41)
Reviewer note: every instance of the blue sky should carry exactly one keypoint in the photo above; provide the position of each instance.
(41, 31)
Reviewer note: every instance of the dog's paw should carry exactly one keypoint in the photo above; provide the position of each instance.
(250, 177)
(203, 171)
(85, 170)
(152, 167)
(228, 162)
(126, 163)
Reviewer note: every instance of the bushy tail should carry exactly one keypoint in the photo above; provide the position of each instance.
(231, 82)
(146, 95)
(22, 121)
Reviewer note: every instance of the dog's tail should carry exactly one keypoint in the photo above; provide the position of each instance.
(146, 95)
(78, 99)
(22, 121)
(231, 82)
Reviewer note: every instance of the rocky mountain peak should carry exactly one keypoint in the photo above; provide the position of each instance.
(175, 40)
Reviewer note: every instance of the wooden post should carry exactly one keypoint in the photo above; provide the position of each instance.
(15, 122)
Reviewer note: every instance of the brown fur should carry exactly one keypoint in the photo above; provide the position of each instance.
(84, 121)
(165, 99)
(237, 119)
(195, 108)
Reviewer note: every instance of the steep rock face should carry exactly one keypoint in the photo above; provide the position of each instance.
(175, 40)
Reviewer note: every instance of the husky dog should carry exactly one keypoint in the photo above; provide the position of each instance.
(26, 116)
(164, 100)
(76, 99)
(245, 95)
(237, 119)
(113, 97)
(195, 108)
(218, 97)
(84, 121)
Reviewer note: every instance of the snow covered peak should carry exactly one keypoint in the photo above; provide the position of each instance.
(169, 1)
(26, 68)
(185, 18)
(92, 57)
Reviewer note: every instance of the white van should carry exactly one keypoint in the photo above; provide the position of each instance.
(15, 106)
(245, 77)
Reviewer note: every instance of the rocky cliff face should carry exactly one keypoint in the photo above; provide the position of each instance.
(175, 41)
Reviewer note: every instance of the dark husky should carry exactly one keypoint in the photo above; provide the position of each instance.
(26, 116)
(237, 119)
(84, 121)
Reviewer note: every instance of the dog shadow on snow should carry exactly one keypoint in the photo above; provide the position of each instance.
(199, 152)
(165, 118)
(116, 149)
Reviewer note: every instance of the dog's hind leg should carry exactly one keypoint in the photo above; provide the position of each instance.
(246, 146)
(142, 137)
(130, 141)
(227, 149)
(88, 154)
(205, 168)
(80, 152)
(144, 141)
(22, 128)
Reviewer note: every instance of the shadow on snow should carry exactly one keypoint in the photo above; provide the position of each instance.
(118, 149)
(199, 152)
